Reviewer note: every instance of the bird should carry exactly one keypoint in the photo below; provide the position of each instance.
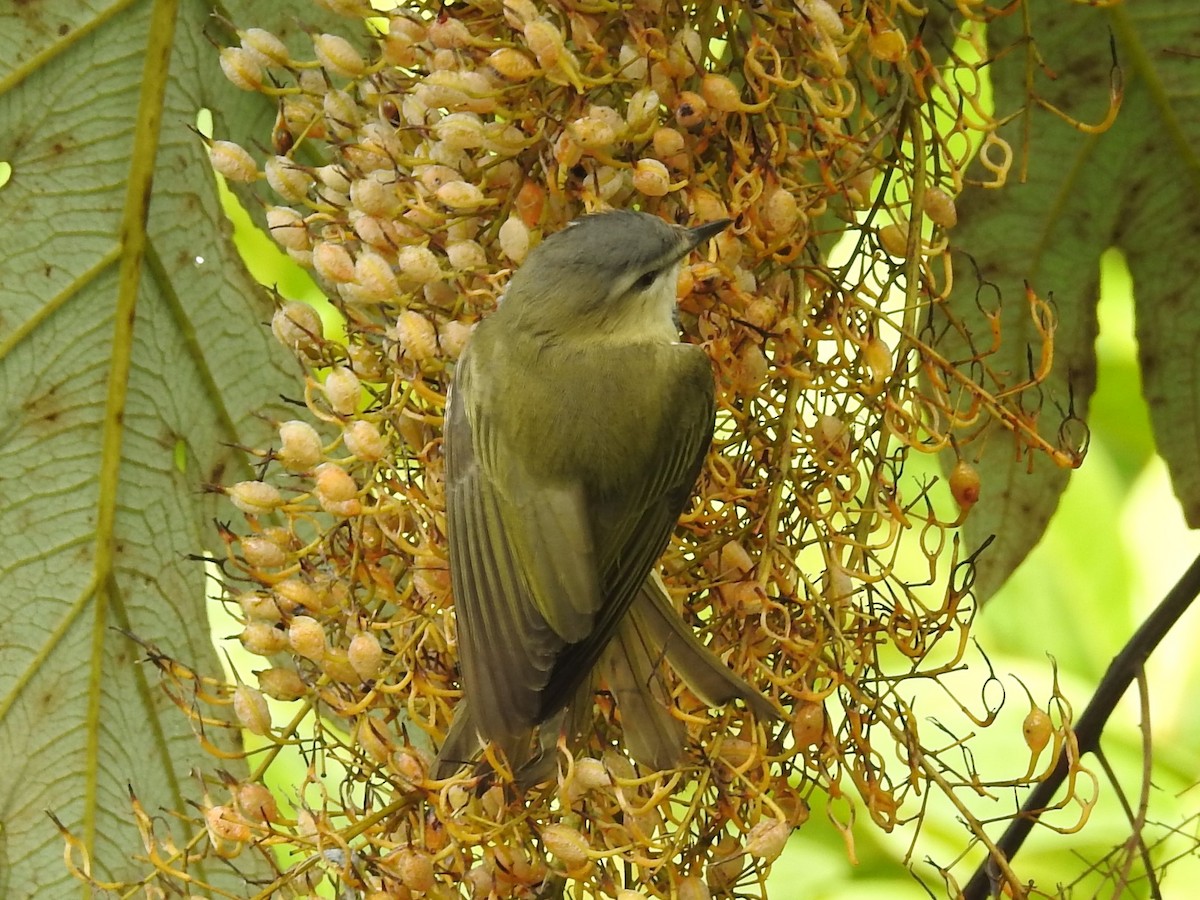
(576, 426)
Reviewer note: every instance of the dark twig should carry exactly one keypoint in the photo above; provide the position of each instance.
(1121, 673)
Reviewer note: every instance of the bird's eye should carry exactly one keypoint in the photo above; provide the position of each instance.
(645, 281)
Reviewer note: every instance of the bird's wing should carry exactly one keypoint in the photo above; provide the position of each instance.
(522, 565)
(631, 533)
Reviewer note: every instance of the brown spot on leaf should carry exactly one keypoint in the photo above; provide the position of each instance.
(43, 408)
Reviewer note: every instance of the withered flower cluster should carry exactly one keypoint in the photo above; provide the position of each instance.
(411, 173)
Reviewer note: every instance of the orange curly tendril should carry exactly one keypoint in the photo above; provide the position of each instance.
(411, 172)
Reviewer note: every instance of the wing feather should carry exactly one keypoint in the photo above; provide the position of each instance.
(505, 648)
(632, 529)
(518, 548)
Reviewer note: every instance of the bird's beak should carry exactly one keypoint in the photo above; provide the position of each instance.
(702, 233)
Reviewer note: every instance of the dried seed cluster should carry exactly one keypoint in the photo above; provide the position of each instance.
(411, 172)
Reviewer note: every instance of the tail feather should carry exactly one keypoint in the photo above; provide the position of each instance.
(704, 674)
(653, 736)
(651, 632)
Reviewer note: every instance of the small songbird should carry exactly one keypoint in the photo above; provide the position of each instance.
(576, 426)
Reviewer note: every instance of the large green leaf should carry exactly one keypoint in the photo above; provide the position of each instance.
(131, 358)
(1160, 221)
(1134, 186)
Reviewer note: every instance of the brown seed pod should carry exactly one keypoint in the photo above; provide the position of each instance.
(336, 490)
(374, 278)
(226, 828)
(281, 684)
(965, 484)
(373, 736)
(940, 207)
(376, 194)
(693, 887)
(306, 637)
(299, 446)
(261, 553)
(255, 498)
(546, 41)
(567, 151)
(877, 360)
(336, 666)
(259, 607)
(366, 655)
(399, 45)
(780, 211)
(343, 390)
(511, 64)
(255, 802)
(251, 710)
(242, 68)
(808, 724)
(724, 96)
(567, 844)
(705, 205)
(362, 438)
(530, 202)
(338, 55)
(893, 238)
(263, 638)
(333, 262)
(767, 839)
(232, 161)
(446, 32)
(289, 230)
(691, 111)
(726, 866)
(414, 868)
(294, 594)
(288, 180)
(650, 177)
(1037, 729)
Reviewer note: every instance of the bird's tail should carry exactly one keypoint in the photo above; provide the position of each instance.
(651, 632)
(704, 674)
